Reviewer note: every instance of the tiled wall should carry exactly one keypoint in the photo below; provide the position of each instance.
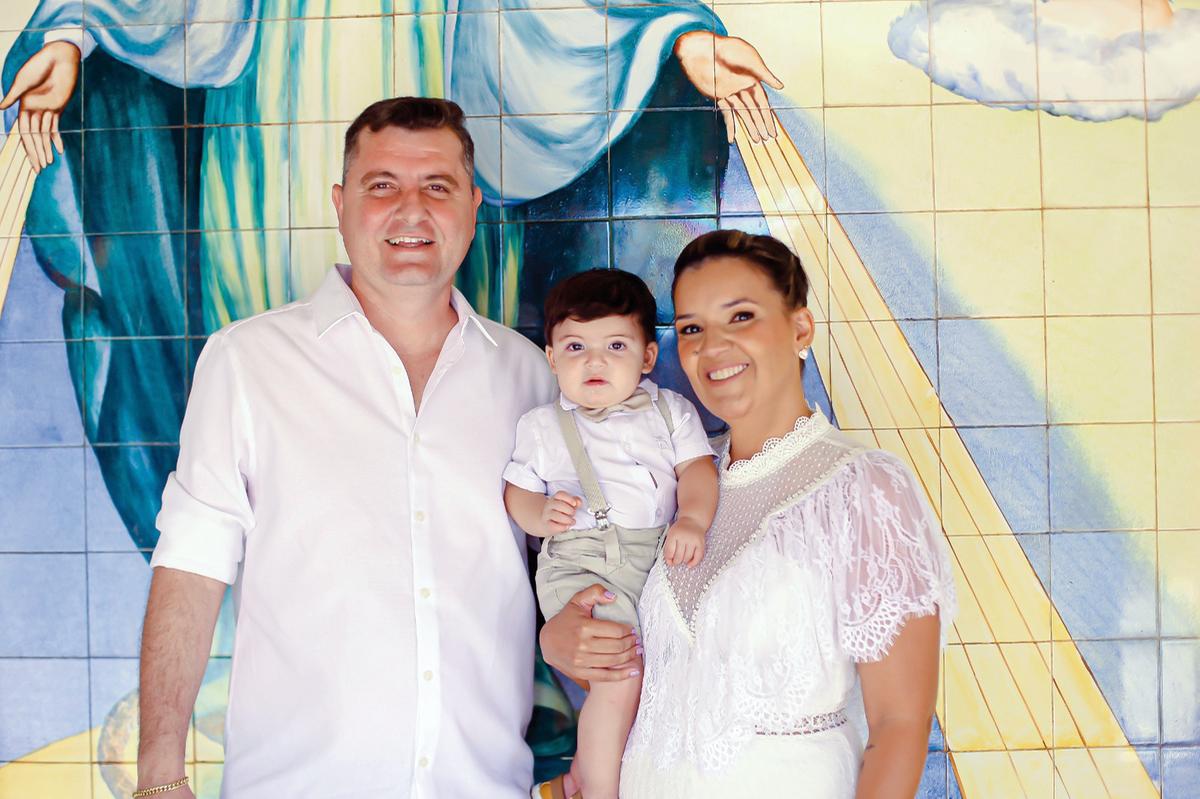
(1008, 297)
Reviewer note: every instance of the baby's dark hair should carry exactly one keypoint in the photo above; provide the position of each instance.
(598, 293)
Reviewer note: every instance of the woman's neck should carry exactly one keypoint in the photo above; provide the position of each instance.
(748, 435)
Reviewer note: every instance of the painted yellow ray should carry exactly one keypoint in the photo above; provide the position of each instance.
(16, 187)
(1020, 710)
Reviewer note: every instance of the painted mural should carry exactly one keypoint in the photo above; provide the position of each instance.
(997, 201)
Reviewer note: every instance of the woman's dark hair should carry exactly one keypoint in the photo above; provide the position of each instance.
(598, 293)
(767, 252)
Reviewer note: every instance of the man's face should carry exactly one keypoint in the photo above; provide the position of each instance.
(406, 209)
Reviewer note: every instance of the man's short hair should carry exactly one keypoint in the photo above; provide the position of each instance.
(410, 113)
(598, 293)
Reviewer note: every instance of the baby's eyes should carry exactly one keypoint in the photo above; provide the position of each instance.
(574, 346)
(617, 346)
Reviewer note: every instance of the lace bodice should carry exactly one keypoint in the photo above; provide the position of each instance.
(820, 550)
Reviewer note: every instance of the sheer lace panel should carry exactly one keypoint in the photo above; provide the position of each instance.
(751, 490)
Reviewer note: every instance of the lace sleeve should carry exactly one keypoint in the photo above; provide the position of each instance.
(891, 560)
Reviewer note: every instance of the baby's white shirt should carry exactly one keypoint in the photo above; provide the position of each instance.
(633, 454)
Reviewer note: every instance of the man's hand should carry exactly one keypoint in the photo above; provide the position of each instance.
(730, 71)
(587, 649)
(685, 543)
(44, 84)
(558, 514)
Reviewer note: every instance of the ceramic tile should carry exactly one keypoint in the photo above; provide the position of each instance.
(1010, 174)
(1174, 167)
(667, 163)
(1099, 369)
(1175, 243)
(115, 94)
(1097, 262)
(41, 491)
(1093, 165)
(551, 251)
(649, 247)
(1178, 500)
(338, 67)
(1103, 584)
(791, 46)
(1179, 591)
(992, 371)
(1176, 379)
(43, 701)
(1181, 679)
(44, 613)
(859, 69)
(990, 264)
(118, 584)
(33, 306)
(1102, 477)
(900, 164)
(1127, 674)
(44, 371)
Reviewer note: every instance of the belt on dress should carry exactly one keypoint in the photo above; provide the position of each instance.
(810, 725)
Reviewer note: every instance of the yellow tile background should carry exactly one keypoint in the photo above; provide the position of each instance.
(1097, 261)
(1089, 165)
(1010, 175)
(992, 261)
(1099, 369)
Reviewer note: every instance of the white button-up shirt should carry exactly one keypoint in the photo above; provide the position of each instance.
(385, 623)
(633, 454)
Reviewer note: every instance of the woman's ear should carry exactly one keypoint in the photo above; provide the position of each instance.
(650, 357)
(804, 328)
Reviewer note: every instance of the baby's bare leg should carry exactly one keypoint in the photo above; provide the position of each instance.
(604, 724)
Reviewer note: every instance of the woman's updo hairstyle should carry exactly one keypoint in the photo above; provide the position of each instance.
(767, 252)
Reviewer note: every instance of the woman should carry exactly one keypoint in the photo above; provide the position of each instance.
(824, 563)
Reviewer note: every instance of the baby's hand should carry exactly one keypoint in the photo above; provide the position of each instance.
(685, 543)
(558, 514)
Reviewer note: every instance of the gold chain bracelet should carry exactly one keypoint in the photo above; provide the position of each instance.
(159, 789)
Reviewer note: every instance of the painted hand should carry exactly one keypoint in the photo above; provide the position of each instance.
(730, 71)
(44, 84)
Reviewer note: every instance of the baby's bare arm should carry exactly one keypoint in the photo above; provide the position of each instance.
(538, 514)
(696, 496)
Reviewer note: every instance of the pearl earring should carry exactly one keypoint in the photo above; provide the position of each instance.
(803, 354)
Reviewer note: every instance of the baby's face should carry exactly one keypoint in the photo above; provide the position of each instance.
(601, 362)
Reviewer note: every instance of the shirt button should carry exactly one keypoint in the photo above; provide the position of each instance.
(425, 593)
(419, 516)
(423, 762)
(428, 676)
(416, 439)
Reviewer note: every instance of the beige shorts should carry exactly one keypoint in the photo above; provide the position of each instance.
(619, 560)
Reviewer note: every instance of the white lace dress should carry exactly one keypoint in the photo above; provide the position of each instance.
(820, 550)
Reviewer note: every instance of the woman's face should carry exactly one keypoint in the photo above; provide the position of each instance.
(738, 340)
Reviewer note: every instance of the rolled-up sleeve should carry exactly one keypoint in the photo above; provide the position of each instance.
(525, 469)
(206, 509)
(689, 439)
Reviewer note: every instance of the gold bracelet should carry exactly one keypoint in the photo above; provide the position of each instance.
(159, 789)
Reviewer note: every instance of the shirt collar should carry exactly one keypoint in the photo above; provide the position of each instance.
(647, 384)
(333, 301)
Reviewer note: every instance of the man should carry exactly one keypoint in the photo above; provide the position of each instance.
(340, 465)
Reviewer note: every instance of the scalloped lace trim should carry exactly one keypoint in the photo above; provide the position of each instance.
(775, 452)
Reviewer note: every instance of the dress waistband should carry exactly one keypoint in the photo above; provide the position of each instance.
(810, 725)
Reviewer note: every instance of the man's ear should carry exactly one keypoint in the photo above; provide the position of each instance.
(337, 202)
(477, 197)
(550, 358)
(650, 357)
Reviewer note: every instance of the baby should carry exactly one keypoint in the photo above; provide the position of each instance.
(600, 474)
